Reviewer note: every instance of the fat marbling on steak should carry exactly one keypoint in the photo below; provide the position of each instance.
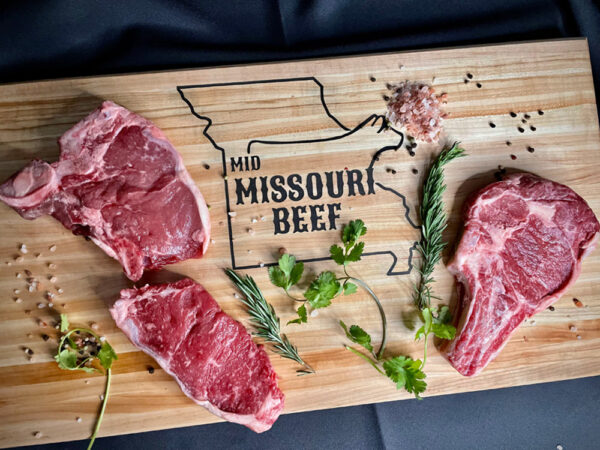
(120, 182)
(523, 243)
(212, 356)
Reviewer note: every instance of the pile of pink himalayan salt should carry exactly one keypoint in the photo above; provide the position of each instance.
(416, 108)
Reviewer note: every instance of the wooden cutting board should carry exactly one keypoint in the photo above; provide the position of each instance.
(306, 118)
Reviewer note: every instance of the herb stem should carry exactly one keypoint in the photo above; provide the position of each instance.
(366, 358)
(302, 300)
(366, 287)
(102, 409)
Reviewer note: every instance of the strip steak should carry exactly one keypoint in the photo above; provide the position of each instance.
(120, 182)
(212, 357)
(523, 243)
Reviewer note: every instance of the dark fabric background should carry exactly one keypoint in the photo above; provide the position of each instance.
(54, 38)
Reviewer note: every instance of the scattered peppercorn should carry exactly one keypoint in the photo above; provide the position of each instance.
(513, 157)
(551, 308)
(492, 125)
(577, 303)
(469, 76)
(479, 85)
(45, 337)
(150, 370)
(530, 149)
(521, 130)
(415, 171)
(513, 114)
(527, 116)
(372, 78)
(466, 81)
(508, 143)
(540, 112)
(206, 166)
(532, 128)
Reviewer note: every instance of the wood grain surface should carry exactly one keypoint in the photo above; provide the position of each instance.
(301, 118)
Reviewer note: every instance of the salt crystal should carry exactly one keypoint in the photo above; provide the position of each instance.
(250, 231)
(232, 213)
(262, 264)
(37, 434)
(50, 305)
(314, 313)
(18, 275)
(41, 305)
(573, 328)
(253, 220)
(19, 259)
(78, 419)
(263, 218)
(578, 336)
(23, 249)
(52, 248)
(60, 291)
(18, 300)
(17, 291)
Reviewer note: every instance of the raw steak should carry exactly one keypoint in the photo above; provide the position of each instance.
(120, 182)
(212, 357)
(521, 249)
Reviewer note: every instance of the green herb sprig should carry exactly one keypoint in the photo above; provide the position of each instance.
(433, 223)
(406, 372)
(69, 357)
(327, 285)
(265, 320)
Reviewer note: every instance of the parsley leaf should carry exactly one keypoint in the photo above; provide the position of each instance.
(406, 373)
(277, 277)
(106, 355)
(426, 328)
(356, 252)
(286, 264)
(288, 273)
(296, 273)
(337, 254)
(353, 231)
(64, 323)
(349, 288)
(302, 315)
(322, 290)
(67, 359)
(357, 335)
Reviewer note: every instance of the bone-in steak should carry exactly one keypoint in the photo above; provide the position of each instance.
(212, 357)
(522, 247)
(120, 182)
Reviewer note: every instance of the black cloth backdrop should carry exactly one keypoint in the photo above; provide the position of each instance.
(56, 38)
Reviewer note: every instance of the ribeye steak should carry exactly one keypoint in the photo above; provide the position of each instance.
(212, 357)
(523, 243)
(120, 182)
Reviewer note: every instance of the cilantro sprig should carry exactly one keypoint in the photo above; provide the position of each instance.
(74, 353)
(327, 285)
(406, 372)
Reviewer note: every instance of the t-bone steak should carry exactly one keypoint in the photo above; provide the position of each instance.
(212, 357)
(523, 243)
(120, 182)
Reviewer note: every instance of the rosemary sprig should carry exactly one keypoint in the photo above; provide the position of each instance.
(433, 224)
(265, 320)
